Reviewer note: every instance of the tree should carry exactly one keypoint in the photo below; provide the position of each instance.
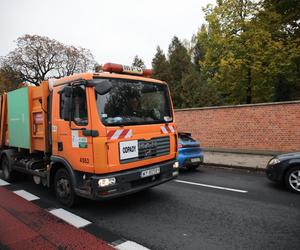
(187, 87)
(9, 79)
(229, 48)
(281, 20)
(75, 60)
(287, 18)
(160, 66)
(196, 92)
(98, 67)
(198, 52)
(248, 52)
(246, 56)
(138, 62)
(180, 63)
(38, 58)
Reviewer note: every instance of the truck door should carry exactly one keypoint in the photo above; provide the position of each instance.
(70, 138)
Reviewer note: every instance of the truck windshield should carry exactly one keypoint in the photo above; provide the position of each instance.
(129, 102)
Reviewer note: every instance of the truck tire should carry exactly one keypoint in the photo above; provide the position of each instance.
(8, 173)
(64, 188)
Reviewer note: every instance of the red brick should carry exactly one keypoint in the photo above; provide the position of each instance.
(272, 127)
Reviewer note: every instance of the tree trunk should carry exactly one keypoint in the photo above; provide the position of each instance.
(249, 86)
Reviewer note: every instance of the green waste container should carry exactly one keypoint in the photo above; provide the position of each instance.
(18, 118)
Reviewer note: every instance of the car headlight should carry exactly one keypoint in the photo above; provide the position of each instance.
(274, 161)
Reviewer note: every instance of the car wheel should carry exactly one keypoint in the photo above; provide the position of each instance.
(8, 174)
(292, 179)
(64, 189)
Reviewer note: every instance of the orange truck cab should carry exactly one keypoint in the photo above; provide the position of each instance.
(95, 135)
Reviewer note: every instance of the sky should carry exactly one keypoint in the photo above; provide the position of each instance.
(115, 31)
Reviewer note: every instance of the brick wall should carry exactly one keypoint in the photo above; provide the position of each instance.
(260, 127)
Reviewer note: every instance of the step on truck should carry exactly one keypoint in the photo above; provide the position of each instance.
(93, 135)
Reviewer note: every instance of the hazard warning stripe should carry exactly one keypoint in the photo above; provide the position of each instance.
(172, 129)
(167, 129)
(124, 133)
(129, 134)
(111, 133)
(164, 130)
(116, 135)
(119, 134)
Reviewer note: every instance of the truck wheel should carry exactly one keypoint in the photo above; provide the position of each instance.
(292, 179)
(8, 174)
(64, 189)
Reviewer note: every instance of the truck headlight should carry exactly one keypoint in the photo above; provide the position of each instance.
(176, 165)
(274, 161)
(106, 182)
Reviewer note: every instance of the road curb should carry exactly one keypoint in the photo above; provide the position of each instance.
(253, 169)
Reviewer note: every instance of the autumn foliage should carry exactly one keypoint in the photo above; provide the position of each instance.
(247, 52)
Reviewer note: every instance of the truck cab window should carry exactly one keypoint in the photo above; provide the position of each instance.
(79, 107)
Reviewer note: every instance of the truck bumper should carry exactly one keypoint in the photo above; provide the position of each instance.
(128, 182)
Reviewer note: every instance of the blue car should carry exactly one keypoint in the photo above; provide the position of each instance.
(190, 155)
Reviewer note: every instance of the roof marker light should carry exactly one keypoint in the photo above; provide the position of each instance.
(123, 69)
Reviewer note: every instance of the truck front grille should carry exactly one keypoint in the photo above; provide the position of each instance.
(154, 147)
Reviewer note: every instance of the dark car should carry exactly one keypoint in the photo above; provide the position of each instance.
(190, 155)
(285, 169)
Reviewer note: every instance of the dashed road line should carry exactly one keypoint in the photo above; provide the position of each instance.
(212, 186)
(77, 221)
(130, 245)
(70, 218)
(3, 183)
(26, 195)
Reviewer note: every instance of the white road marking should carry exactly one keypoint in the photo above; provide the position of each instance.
(26, 195)
(130, 245)
(211, 186)
(3, 183)
(71, 218)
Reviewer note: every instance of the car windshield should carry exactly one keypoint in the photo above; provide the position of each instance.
(184, 138)
(129, 102)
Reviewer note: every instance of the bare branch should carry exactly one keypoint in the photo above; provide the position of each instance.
(38, 58)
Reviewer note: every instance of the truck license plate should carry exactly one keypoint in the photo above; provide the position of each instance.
(193, 160)
(150, 172)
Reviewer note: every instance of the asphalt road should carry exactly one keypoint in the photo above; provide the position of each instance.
(198, 213)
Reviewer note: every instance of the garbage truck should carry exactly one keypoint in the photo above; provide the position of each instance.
(95, 135)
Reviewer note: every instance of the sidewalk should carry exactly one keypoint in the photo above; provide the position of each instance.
(24, 225)
(247, 161)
